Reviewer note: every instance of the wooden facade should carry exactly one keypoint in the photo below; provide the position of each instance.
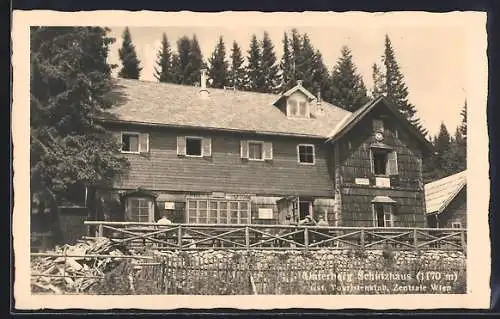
(367, 173)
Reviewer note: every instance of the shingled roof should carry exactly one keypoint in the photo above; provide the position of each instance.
(168, 104)
(438, 194)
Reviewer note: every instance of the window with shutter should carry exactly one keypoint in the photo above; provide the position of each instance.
(194, 146)
(181, 145)
(130, 142)
(255, 150)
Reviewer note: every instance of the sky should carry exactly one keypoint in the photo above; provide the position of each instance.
(431, 58)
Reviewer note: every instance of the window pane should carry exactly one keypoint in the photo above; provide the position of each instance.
(255, 150)
(243, 220)
(244, 206)
(306, 154)
(223, 212)
(193, 146)
(380, 162)
(302, 108)
(293, 107)
(202, 212)
(134, 143)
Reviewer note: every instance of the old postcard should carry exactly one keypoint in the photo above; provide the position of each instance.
(302, 160)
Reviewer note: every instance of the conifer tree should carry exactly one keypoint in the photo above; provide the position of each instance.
(176, 69)
(183, 49)
(321, 78)
(253, 69)
(236, 76)
(393, 86)
(348, 88)
(269, 68)
(70, 86)
(378, 81)
(463, 124)
(218, 69)
(195, 63)
(286, 65)
(130, 63)
(163, 71)
(304, 65)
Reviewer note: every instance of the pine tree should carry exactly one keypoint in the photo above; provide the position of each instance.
(269, 74)
(463, 124)
(130, 62)
(218, 70)
(390, 83)
(195, 63)
(236, 76)
(183, 49)
(321, 81)
(253, 69)
(176, 69)
(286, 65)
(163, 72)
(378, 81)
(70, 85)
(304, 66)
(296, 46)
(348, 89)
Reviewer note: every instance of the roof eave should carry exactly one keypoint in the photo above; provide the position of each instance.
(220, 129)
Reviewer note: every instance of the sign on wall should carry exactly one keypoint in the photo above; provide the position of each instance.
(362, 181)
(265, 213)
(169, 205)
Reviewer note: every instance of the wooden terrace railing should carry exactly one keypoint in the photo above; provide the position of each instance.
(278, 237)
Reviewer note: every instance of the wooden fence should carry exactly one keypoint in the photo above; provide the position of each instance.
(278, 237)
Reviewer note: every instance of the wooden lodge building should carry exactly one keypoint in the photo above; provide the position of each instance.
(446, 202)
(223, 156)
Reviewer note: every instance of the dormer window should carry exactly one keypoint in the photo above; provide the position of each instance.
(297, 108)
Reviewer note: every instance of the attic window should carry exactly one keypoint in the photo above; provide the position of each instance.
(297, 108)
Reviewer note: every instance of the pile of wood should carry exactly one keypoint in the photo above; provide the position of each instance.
(74, 268)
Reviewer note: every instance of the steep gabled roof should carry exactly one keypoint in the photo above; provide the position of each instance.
(440, 193)
(351, 120)
(165, 104)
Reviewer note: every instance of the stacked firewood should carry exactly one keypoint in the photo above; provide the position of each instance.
(74, 268)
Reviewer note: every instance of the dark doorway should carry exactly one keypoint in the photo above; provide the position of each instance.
(379, 211)
(304, 209)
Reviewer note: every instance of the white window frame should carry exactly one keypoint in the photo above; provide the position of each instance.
(219, 218)
(313, 154)
(138, 142)
(385, 206)
(193, 138)
(262, 150)
(459, 223)
(150, 208)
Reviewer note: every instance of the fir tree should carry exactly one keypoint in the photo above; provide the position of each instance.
(183, 49)
(218, 70)
(286, 65)
(130, 62)
(253, 69)
(321, 78)
(463, 124)
(163, 72)
(296, 51)
(236, 75)
(304, 65)
(348, 89)
(176, 69)
(70, 86)
(195, 63)
(378, 81)
(269, 68)
(393, 86)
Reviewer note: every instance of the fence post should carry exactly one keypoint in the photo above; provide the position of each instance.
(100, 230)
(462, 241)
(247, 238)
(179, 237)
(306, 238)
(415, 239)
(363, 239)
